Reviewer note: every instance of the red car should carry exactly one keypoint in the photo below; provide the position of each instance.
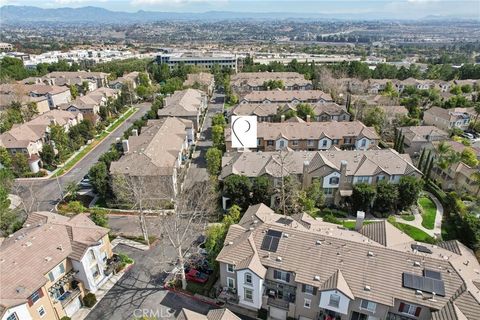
(196, 276)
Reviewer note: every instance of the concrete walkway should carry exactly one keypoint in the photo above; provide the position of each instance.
(417, 222)
(130, 243)
(83, 312)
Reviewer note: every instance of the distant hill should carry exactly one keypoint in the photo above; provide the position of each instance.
(18, 14)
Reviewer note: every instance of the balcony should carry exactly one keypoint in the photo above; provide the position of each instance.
(280, 303)
(393, 316)
(69, 296)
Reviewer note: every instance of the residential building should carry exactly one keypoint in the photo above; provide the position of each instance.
(94, 80)
(214, 314)
(206, 60)
(255, 81)
(132, 78)
(46, 96)
(394, 113)
(89, 104)
(375, 86)
(6, 46)
(187, 104)
(286, 96)
(311, 136)
(302, 268)
(447, 119)
(416, 137)
(155, 157)
(336, 170)
(270, 112)
(458, 175)
(50, 264)
(202, 80)
(28, 138)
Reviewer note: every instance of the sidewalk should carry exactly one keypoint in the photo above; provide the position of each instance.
(130, 243)
(417, 222)
(83, 312)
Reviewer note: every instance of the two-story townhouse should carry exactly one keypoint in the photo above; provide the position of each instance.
(215, 314)
(50, 264)
(337, 171)
(302, 268)
(202, 80)
(270, 112)
(447, 119)
(131, 78)
(286, 96)
(189, 104)
(415, 137)
(255, 81)
(29, 137)
(155, 157)
(312, 136)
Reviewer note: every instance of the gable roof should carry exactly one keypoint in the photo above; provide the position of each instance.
(337, 282)
(286, 96)
(183, 103)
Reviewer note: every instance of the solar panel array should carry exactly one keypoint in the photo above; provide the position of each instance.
(432, 274)
(425, 284)
(271, 240)
(285, 221)
(420, 248)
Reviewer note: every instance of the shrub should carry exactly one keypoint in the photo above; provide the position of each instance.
(331, 218)
(65, 318)
(262, 314)
(75, 207)
(99, 217)
(89, 300)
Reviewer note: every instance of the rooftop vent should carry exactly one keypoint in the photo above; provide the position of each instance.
(27, 244)
(419, 292)
(48, 259)
(416, 264)
(60, 247)
(370, 254)
(251, 228)
(367, 288)
(230, 243)
(285, 235)
(318, 242)
(316, 278)
(279, 259)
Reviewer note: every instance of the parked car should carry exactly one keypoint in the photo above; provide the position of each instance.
(468, 135)
(196, 276)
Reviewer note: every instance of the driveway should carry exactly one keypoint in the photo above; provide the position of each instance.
(140, 292)
(45, 193)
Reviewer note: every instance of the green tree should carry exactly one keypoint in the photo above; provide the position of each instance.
(362, 197)
(219, 119)
(469, 157)
(386, 198)
(375, 117)
(5, 158)
(172, 85)
(20, 164)
(409, 189)
(143, 79)
(262, 190)
(29, 111)
(72, 189)
(238, 189)
(475, 177)
(304, 110)
(232, 217)
(315, 193)
(456, 90)
(48, 155)
(218, 137)
(214, 161)
(390, 90)
(99, 178)
(62, 142)
(99, 217)
(73, 91)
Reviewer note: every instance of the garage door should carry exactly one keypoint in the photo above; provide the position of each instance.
(73, 307)
(303, 318)
(278, 314)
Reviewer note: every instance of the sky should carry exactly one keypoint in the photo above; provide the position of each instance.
(398, 8)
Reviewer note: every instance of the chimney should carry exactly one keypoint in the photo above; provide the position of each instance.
(125, 146)
(135, 132)
(359, 222)
(282, 118)
(305, 174)
(308, 118)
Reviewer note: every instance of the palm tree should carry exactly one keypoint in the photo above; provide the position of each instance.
(475, 177)
(72, 189)
(443, 155)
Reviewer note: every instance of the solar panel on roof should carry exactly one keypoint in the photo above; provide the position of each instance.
(425, 284)
(285, 221)
(420, 248)
(271, 240)
(432, 274)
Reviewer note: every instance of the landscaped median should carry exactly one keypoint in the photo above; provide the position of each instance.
(73, 161)
(413, 232)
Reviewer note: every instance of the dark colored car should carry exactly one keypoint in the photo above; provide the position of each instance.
(196, 276)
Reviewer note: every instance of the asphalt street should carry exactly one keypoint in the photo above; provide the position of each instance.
(46, 193)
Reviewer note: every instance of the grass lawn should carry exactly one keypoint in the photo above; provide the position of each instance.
(350, 224)
(415, 233)
(407, 217)
(96, 141)
(429, 210)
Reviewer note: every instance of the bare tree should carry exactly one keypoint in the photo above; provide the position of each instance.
(27, 194)
(289, 186)
(193, 208)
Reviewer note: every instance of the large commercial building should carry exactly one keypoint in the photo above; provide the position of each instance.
(200, 59)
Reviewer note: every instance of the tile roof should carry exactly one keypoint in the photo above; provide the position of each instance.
(420, 133)
(361, 263)
(155, 151)
(286, 96)
(311, 130)
(337, 282)
(215, 314)
(201, 78)
(183, 103)
(256, 79)
(450, 114)
(384, 233)
(270, 109)
(30, 253)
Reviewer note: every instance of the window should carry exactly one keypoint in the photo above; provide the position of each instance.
(334, 180)
(95, 271)
(324, 143)
(248, 278)
(41, 311)
(295, 142)
(364, 143)
(309, 289)
(248, 294)
(328, 191)
(334, 300)
(361, 179)
(282, 144)
(281, 275)
(347, 140)
(34, 297)
(380, 178)
(368, 305)
(307, 303)
(13, 316)
(230, 268)
(231, 283)
(409, 309)
(269, 143)
(310, 142)
(91, 255)
(335, 141)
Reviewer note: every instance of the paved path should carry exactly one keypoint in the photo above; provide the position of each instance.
(45, 193)
(437, 230)
(130, 243)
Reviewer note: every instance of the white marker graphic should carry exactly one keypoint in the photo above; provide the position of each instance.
(244, 131)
